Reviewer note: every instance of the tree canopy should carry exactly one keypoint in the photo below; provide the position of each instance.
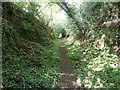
(38, 36)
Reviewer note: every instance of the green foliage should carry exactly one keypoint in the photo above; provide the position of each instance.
(97, 67)
(20, 71)
(30, 59)
(26, 26)
(30, 56)
(94, 57)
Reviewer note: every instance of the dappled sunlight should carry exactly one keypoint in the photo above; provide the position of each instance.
(100, 61)
(74, 82)
(60, 44)
(78, 81)
(71, 38)
(100, 43)
(71, 74)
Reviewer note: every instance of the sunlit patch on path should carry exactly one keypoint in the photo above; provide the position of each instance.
(68, 78)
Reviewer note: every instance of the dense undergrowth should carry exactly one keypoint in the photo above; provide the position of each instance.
(95, 55)
(30, 45)
(30, 57)
(96, 64)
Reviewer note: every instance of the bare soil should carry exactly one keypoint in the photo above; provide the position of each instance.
(67, 76)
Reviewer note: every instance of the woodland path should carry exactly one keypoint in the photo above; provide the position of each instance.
(67, 76)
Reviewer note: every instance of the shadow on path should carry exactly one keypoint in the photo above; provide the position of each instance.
(67, 76)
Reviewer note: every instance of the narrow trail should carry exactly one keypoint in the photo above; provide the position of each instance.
(67, 76)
